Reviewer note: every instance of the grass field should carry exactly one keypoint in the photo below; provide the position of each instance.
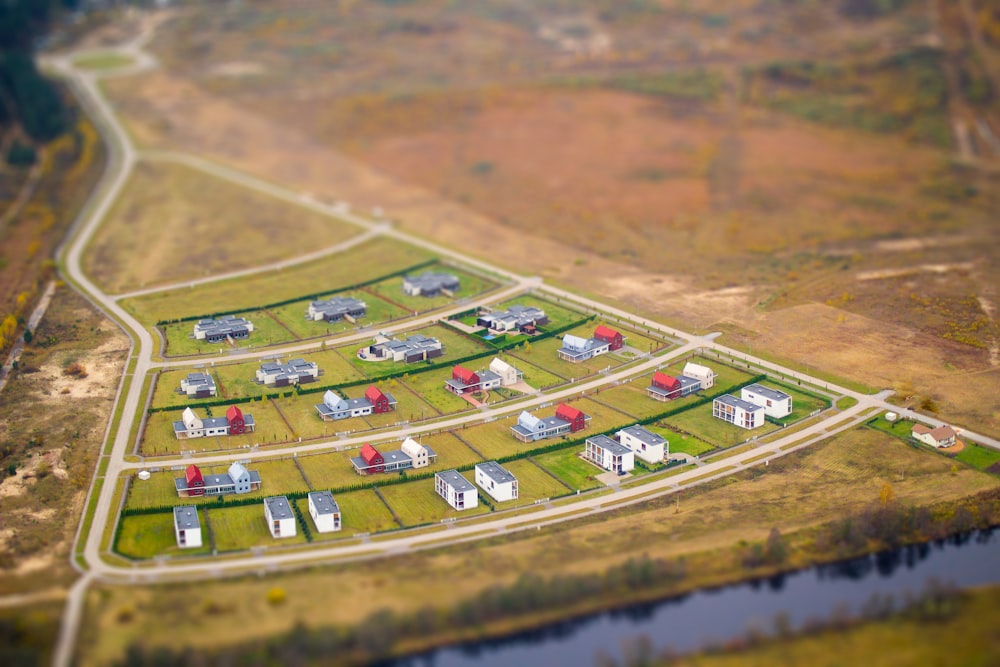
(568, 466)
(239, 528)
(417, 503)
(334, 365)
(279, 476)
(366, 261)
(726, 376)
(430, 386)
(802, 404)
(495, 440)
(533, 483)
(103, 61)
(451, 451)
(266, 331)
(535, 376)
(166, 393)
(682, 443)
(158, 438)
(455, 346)
(641, 342)
(158, 490)
(901, 428)
(700, 423)
(559, 316)
(978, 456)
(329, 471)
(543, 353)
(293, 316)
(145, 536)
(602, 417)
(363, 512)
(632, 398)
(392, 290)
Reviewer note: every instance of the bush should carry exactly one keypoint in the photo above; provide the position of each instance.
(276, 596)
(20, 155)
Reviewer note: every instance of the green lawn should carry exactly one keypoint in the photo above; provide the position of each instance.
(379, 311)
(803, 404)
(146, 536)
(168, 383)
(392, 290)
(335, 366)
(846, 402)
(700, 423)
(266, 331)
(157, 491)
(455, 346)
(978, 456)
(543, 353)
(559, 316)
(279, 477)
(103, 61)
(331, 470)
(158, 438)
(430, 386)
(301, 412)
(533, 483)
(417, 503)
(570, 468)
(535, 376)
(682, 443)
(632, 398)
(901, 428)
(602, 417)
(641, 342)
(363, 512)
(727, 376)
(243, 527)
(494, 439)
(451, 451)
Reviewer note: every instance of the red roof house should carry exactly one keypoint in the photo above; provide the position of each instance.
(194, 480)
(372, 458)
(237, 424)
(464, 375)
(576, 418)
(379, 401)
(610, 336)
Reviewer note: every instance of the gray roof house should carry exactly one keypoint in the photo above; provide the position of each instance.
(222, 329)
(280, 519)
(430, 283)
(296, 371)
(577, 349)
(416, 347)
(335, 407)
(336, 309)
(516, 317)
(198, 385)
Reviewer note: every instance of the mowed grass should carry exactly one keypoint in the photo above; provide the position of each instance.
(367, 261)
(571, 468)
(103, 61)
(494, 439)
(455, 346)
(451, 451)
(266, 331)
(533, 483)
(535, 376)
(633, 399)
(158, 438)
(699, 422)
(417, 503)
(803, 404)
(149, 535)
(293, 316)
(641, 342)
(157, 491)
(331, 470)
(240, 528)
(681, 443)
(559, 316)
(543, 353)
(168, 383)
(430, 386)
(392, 290)
(978, 456)
(190, 224)
(363, 512)
(726, 376)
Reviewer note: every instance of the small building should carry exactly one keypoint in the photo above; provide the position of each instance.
(508, 374)
(374, 402)
(497, 481)
(609, 454)
(648, 446)
(419, 454)
(192, 426)
(280, 519)
(198, 385)
(237, 479)
(222, 329)
(609, 336)
(187, 527)
(336, 309)
(704, 374)
(665, 387)
(737, 411)
(776, 404)
(296, 371)
(371, 461)
(524, 319)
(194, 481)
(324, 511)
(430, 283)
(567, 419)
(409, 350)
(411, 454)
(456, 490)
(464, 381)
(942, 436)
(576, 349)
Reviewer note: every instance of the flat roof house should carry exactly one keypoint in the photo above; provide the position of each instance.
(198, 385)
(942, 436)
(458, 491)
(497, 481)
(576, 349)
(237, 479)
(413, 348)
(374, 402)
(737, 411)
(566, 420)
(187, 527)
(609, 454)
(411, 454)
(222, 329)
(336, 309)
(296, 371)
(776, 403)
(430, 283)
(192, 426)
(702, 373)
(516, 318)
(279, 516)
(324, 511)
(464, 381)
(648, 446)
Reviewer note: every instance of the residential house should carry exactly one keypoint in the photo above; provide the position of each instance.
(776, 404)
(455, 489)
(187, 527)
(524, 319)
(430, 283)
(296, 371)
(508, 374)
(375, 401)
(702, 373)
(419, 454)
(942, 436)
(464, 381)
(648, 446)
(411, 454)
(192, 426)
(737, 411)
(576, 349)
(497, 481)
(609, 336)
(609, 454)
(667, 387)
(324, 511)
(194, 481)
(280, 519)
(336, 309)
(236, 480)
(223, 329)
(567, 419)
(198, 385)
(413, 348)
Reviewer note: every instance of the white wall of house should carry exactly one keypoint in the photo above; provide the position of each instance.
(417, 452)
(325, 523)
(498, 491)
(699, 372)
(772, 407)
(646, 452)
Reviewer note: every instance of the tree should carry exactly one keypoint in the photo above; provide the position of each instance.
(885, 495)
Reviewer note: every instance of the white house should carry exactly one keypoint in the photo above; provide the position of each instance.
(430, 283)
(455, 489)
(942, 436)
(737, 411)
(187, 527)
(648, 446)
(420, 454)
(496, 480)
(198, 385)
(508, 374)
(336, 309)
(776, 403)
(324, 511)
(280, 519)
(703, 373)
(222, 329)
(296, 371)
(609, 454)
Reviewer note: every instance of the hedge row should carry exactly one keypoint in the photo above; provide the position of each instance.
(225, 401)
(314, 295)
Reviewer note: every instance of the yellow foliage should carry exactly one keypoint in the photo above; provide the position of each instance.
(33, 248)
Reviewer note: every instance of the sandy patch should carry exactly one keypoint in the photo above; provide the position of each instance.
(954, 449)
(27, 474)
(102, 373)
(237, 68)
(908, 271)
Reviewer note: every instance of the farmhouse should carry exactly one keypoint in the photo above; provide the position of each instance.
(737, 411)
(187, 527)
(464, 381)
(703, 374)
(609, 454)
(776, 403)
(375, 401)
(455, 489)
(223, 329)
(566, 420)
(648, 446)
(430, 283)
(609, 336)
(413, 348)
(411, 454)
(508, 374)
(280, 520)
(942, 436)
(496, 480)
(667, 387)
(336, 309)
(236, 479)
(198, 385)
(576, 349)
(192, 426)
(296, 371)
(524, 319)
(324, 511)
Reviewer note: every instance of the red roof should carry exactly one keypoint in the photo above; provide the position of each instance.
(665, 381)
(369, 454)
(233, 413)
(464, 375)
(568, 413)
(373, 394)
(192, 474)
(602, 332)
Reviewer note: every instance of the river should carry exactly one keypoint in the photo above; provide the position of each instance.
(688, 622)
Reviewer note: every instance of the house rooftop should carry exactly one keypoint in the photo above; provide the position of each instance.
(323, 502)
(736, 402)
(767, 392)
(186, 516)
(453, 479)
(606, 443)
(496, 472)
(644, 435)
(279, 507)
